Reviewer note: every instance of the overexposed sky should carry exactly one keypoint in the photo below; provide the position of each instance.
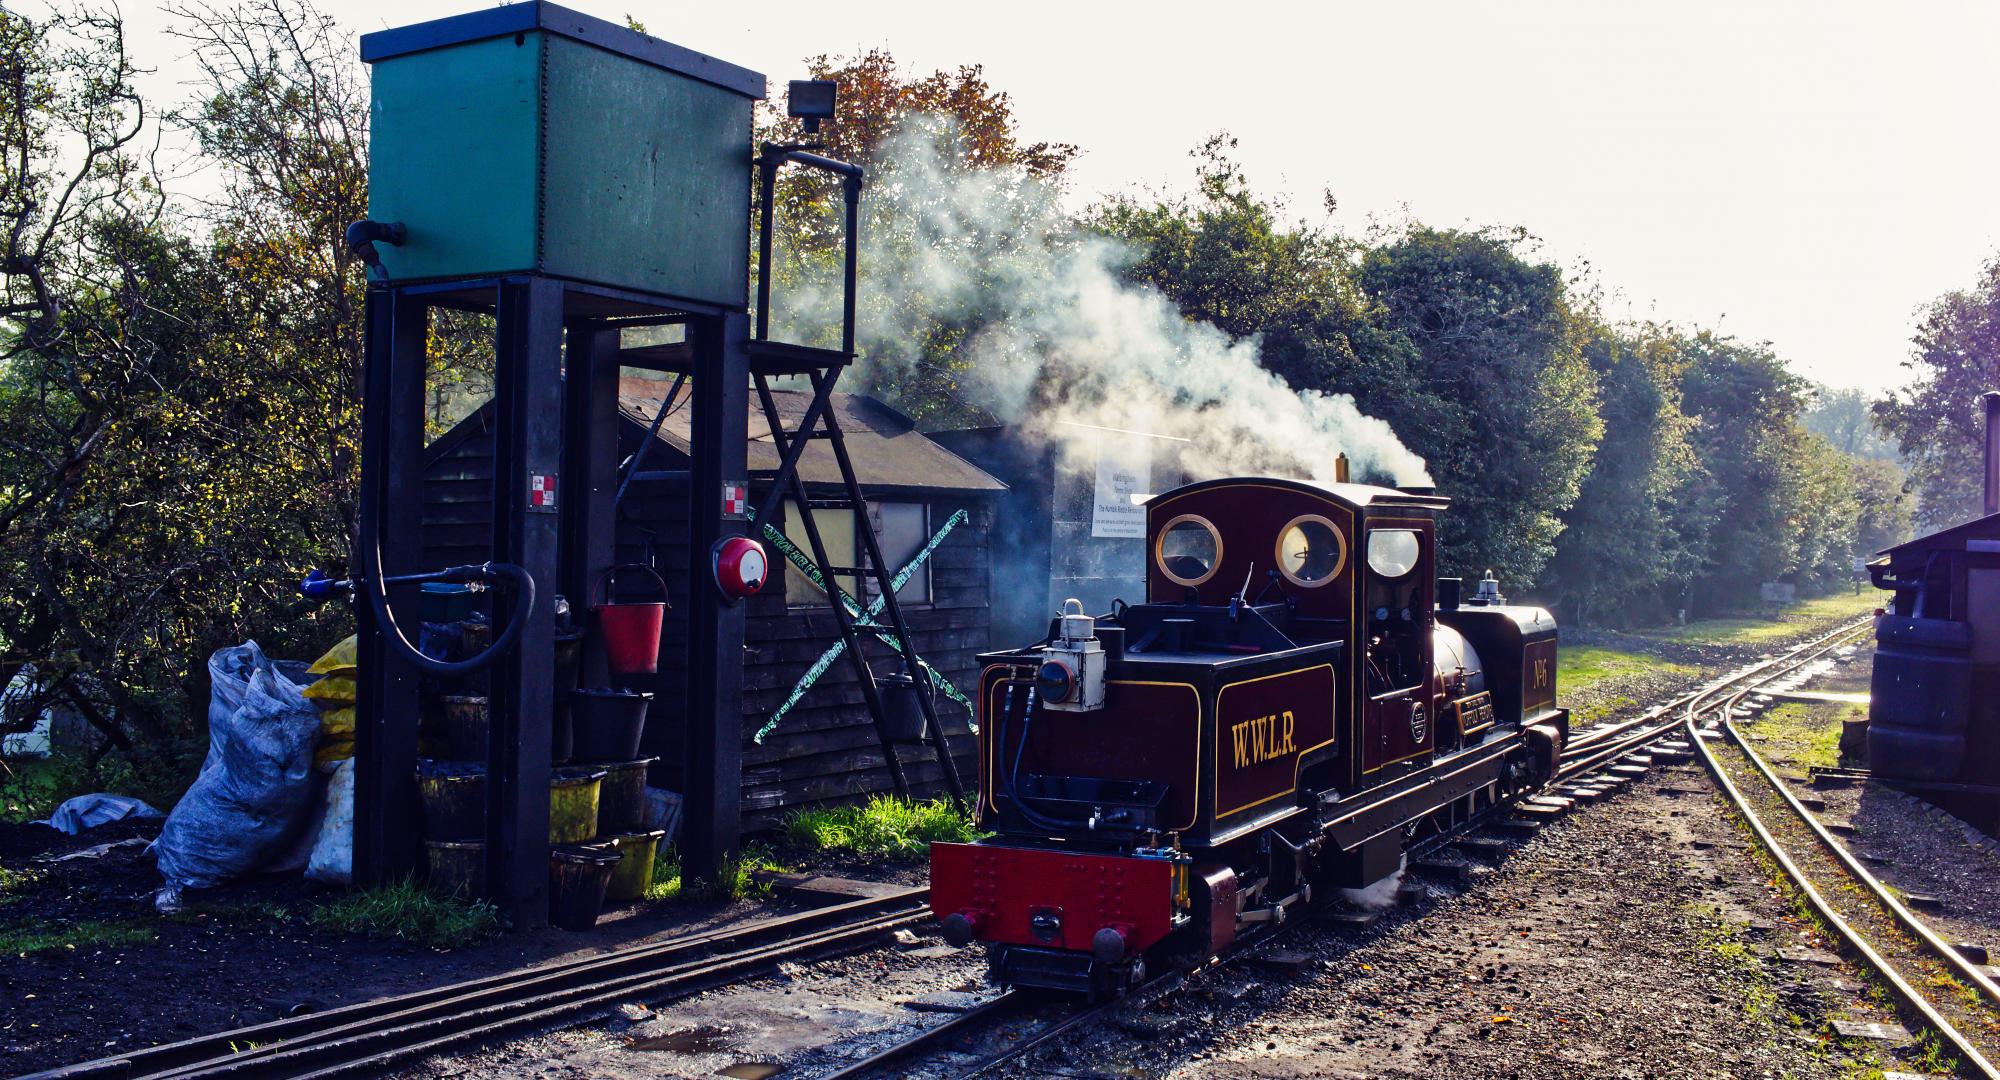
(1806, 173)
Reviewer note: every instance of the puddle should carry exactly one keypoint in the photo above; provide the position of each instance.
(751, 1070)
(706, 1039)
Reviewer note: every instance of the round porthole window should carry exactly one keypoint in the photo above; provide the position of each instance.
(1188, 550)
(1393, 552)
(1310, 551)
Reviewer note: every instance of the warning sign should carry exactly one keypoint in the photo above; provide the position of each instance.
(542, 493)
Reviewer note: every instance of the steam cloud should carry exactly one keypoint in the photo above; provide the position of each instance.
(1056, 335)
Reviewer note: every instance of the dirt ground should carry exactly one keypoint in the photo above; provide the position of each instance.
(1635, 938)
(239, 955)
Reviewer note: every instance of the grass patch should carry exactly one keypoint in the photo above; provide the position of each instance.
(883, 826)
(666, 883)
(409, 912)
(1578, 666)
(736, 881)
(1717, 934)
(29, 940)
(736, 877)
(1786, 622)
(1802, 734)
(14, 882)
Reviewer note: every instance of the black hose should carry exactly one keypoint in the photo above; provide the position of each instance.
(1035, 817)
(375, 584)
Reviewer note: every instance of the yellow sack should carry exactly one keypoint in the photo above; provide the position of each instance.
(331, 690)
(339, 660)
(337, 723)
(333, 750)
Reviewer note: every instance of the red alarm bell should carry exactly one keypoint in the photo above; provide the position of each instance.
(741, 567)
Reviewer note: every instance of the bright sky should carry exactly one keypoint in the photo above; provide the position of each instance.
(1806, 173)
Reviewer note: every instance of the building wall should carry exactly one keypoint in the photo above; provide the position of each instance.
(826, 749)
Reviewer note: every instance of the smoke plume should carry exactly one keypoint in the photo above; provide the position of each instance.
(983, 268)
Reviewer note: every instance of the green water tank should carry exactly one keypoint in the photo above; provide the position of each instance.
(533, 138)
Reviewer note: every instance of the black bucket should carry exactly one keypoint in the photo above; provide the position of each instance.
(621, 802)
(578, 875)
(457, 868)
(454, 798)
(608, 724)
(467, 719)
(903, 710)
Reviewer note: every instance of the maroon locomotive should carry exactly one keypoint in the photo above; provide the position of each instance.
(1299, 699)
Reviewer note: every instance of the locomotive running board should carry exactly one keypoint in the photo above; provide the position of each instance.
(1386, 811)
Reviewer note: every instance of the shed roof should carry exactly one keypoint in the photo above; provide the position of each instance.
(887, 449)
(1951, 539)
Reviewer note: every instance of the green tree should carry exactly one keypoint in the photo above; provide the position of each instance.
(178, 387)
(1882, 493)
(1936, 419)
(1624, 541)
(1509, 422)
(1772, 499)
(1843, 418)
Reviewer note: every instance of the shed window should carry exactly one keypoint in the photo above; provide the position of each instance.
(901, 528)
(904, 529)
(836, 530)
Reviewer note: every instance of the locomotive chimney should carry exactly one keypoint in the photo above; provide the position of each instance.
(1991, 400)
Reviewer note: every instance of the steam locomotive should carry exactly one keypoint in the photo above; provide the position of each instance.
(1165, 778)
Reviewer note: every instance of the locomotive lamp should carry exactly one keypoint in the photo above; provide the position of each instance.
(1071, 675)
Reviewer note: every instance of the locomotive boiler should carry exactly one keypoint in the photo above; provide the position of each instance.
(1298, 700)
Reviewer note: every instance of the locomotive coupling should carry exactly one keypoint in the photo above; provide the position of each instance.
(1545, 743)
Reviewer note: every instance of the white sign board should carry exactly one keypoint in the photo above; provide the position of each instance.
(1124, 469)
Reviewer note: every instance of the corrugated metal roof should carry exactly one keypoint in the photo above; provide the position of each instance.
(887, 449)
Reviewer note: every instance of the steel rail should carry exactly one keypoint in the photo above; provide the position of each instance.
(512, 999)
(985, 1012)
(1898, 985)
(1912, 923)
(1588, 740)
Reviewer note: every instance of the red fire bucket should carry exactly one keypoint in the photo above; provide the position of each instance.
(631, 632)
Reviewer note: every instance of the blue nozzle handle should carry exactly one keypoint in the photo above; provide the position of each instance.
(319, 586)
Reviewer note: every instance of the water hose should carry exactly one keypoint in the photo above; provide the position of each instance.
(375, 584)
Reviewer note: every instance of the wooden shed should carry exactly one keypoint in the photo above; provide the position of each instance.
(825, 749)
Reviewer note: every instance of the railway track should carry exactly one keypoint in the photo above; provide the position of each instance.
(1933, 982)
(1595, 750)
(1602, 743)
(370, 1037)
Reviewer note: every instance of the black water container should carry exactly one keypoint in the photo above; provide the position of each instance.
(1920, 697)
(454, 799)
(608, 724)
(621, 801)
(903, 710)
(578, 875)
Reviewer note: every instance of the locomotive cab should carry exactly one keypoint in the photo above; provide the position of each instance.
(1287, 709)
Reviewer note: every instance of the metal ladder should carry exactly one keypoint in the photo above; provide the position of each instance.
(822, 368)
